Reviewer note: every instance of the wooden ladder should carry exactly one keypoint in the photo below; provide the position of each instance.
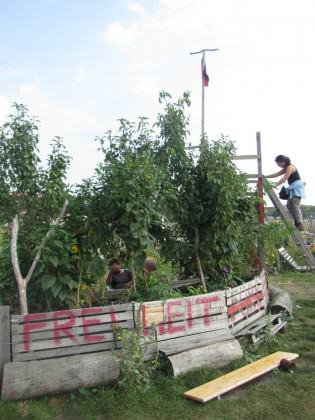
(299, 240)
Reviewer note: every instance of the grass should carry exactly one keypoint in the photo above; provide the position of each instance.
(277, 395)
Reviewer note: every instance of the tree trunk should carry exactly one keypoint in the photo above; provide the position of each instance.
(196, 251)
(16, 267)
(23, 282)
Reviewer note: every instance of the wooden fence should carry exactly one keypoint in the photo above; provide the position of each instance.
(247, 303)
(180, 327)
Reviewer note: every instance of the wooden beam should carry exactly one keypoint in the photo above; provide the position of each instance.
(5, 353)
(23, 380)
(238, 377)
(211, 356)
(244, 157)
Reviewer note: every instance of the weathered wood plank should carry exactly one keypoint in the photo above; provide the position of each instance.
(245, 306)
(188, 327)
(99, 310)
(50, 334)
(5, 353)
(33, 379)
(259, 305)
(238, 377)
(188, 342)
(248, 285)
(77, 340)
(211, 356)
(70, 322)
(247, 321)
(243, 295)
(256, 326)
(64, 351)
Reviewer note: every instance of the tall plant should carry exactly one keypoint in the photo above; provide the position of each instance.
(32, 199)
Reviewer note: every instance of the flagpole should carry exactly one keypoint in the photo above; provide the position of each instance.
(203, 101)
(203, 52)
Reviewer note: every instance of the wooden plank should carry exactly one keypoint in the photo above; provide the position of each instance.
(64, 351)
(78, 340)
(245, 286)
(184, 328)
(77, 322)
(210, 356)
(242, 157)
(244, 307)
(238, 377)
(247, 321)
(180, 344)
(177, 310)
(50, 334)
(243, 295)
(99, 310)
(255, 327)
(246, 311)
(5, 353)
(33, 379)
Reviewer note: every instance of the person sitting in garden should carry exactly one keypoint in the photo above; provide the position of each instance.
(148, 268)
(296, 188)
(118, 278)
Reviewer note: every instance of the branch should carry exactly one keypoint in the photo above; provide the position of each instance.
(14, 256)
(45, 239)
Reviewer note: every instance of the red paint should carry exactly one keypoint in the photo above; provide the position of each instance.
(245, 303)
(161, 328)
(91, 321)
(113, 314)
(170, 316)
(206, 301)
(65, 326)
(189, 314)
(28, 327)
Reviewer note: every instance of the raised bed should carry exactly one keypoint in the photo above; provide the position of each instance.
(56, 348)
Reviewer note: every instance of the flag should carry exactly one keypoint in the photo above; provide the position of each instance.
(205, 77)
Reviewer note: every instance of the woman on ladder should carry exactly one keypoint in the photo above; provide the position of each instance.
(296, 188)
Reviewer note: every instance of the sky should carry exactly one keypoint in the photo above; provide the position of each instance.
(80, 65)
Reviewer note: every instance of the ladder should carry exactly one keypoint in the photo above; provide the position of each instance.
(299, 240)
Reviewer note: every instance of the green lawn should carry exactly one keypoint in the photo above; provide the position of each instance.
(278, 395)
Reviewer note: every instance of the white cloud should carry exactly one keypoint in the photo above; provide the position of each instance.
(145, 86)
(81, 74)
(136, 8)
(30, 89)
(4, 108)
(117, 33)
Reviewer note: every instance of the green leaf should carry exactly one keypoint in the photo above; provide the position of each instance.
(56, 289)
(48, 280)
(53, 260)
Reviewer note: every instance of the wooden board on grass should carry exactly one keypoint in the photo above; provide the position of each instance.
(238, 377)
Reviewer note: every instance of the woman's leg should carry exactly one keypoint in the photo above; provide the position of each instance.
(293, 205)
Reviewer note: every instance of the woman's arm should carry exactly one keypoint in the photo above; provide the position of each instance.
(129, 284)
(276, 174)
(109, 278)
(289, 170)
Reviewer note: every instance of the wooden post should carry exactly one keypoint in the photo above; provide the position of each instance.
(5, 354)
(260, 186)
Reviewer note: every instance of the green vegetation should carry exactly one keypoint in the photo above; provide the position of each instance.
(149, 197)
(278, 395)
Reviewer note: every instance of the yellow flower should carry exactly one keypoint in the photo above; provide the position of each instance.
(74, 249)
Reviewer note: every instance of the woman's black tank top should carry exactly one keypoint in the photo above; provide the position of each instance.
(295, 176)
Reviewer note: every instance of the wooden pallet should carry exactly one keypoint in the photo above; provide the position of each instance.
(258, 330)
(238, 377)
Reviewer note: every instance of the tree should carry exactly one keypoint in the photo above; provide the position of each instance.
(32, 199)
